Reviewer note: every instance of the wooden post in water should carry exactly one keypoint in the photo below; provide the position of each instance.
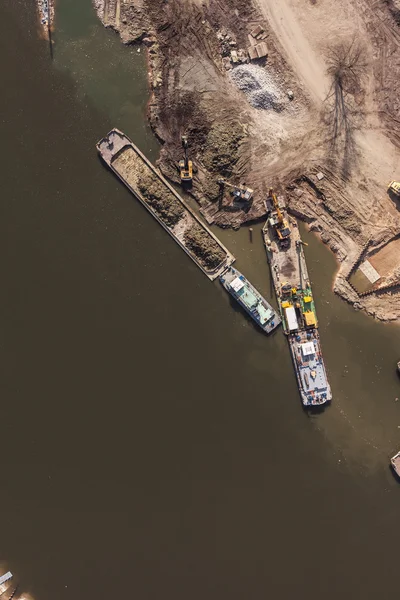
(251, 233)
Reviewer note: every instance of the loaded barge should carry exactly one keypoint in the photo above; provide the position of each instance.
(250, 299)
(286, 258)
(164, 203)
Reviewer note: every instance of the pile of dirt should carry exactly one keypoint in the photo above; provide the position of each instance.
(259, 87)
(204, 247)
(223, 147)
(163, 202)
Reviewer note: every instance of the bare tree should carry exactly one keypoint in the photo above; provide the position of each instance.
(346, 68)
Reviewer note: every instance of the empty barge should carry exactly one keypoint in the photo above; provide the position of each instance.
(164, 203)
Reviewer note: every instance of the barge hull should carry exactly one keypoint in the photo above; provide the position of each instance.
(111, 149)
(296, 304)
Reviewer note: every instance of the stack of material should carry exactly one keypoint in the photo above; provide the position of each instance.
(258, 33)
(260, 50)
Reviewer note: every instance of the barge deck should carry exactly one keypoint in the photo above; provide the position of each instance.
(296, 303)
(164, 203)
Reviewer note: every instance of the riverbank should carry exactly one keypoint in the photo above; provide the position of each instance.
(246, 119)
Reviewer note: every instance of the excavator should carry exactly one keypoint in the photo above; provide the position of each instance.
(243, 194)
(186, 165)
(278, 222)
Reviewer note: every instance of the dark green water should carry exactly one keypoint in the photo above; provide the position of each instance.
(153, 442)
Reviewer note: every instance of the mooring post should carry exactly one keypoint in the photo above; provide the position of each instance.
(49, 28)
(251, 233)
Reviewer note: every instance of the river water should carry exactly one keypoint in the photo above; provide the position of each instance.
(153, 441)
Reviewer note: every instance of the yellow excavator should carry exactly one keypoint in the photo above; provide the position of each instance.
(186, 165)
(278, 222)
(394, 186)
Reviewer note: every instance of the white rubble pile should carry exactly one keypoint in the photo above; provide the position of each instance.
(259, 86)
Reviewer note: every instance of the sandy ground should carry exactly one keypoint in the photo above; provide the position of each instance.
(305, 33)
(241, 124)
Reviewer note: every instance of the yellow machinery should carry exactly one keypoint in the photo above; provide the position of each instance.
(241, 193)
(394, 186)
(186, 165)
(308, 312)
(278, 221)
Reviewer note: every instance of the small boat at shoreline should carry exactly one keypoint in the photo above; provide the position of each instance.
(250, 299)
(395, 463)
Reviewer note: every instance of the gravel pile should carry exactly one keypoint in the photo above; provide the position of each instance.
(259, 87)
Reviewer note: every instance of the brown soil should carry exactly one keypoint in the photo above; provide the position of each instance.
(287, 146)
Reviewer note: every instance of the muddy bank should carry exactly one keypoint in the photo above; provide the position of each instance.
(254, 122)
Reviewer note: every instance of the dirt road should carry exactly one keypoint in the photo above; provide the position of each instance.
(300, 38)
(309, 67)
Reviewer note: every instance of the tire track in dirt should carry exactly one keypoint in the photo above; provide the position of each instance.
(308, 66)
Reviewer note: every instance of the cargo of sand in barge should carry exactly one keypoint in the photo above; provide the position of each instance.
(164, 203)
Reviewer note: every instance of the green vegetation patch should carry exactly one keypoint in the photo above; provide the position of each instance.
(206, 249)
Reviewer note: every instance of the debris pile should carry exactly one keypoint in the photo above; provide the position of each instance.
(259, 87)
(231, 54)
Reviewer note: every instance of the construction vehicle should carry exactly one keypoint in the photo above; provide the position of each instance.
(394, 186)
(301, 243)
(241, 193)
(186, 165)
(278, 222)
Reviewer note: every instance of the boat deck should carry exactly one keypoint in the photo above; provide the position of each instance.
(395, 462)
(310, 368)
(294, 294)
(288, 265)
(251, 299)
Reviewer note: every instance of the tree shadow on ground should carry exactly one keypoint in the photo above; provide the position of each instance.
(343, 111)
